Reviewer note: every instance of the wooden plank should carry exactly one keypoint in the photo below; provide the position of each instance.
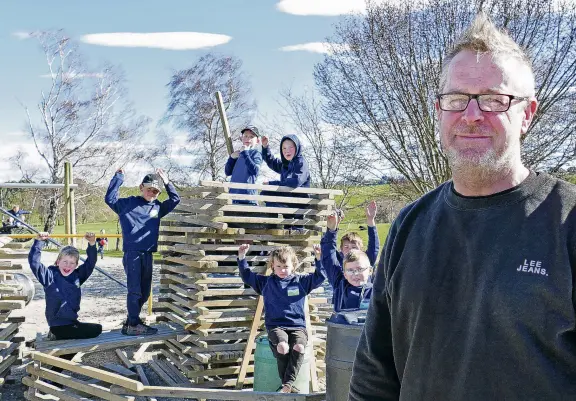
(11, 305)
(189, 219)
(53, 392)
(124, 358)
(105, 341)
(121, 370)
(267, 198)
(9, 331)
(275, 188)
(88, 371)
(166, 378)
(313, 374)
(173, 371)
(218, 394)
(76, 384)
(144, 379)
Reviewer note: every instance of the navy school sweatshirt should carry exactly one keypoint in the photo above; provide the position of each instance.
(62, 294)
(283, 298)
(244, 170)
(139, 219)
(475, 299)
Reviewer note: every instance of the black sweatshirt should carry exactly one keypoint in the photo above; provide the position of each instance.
(474, 299)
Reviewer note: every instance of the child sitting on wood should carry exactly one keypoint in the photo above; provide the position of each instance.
(284, 298)
(61, 284)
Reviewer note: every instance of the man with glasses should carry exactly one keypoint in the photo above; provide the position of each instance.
(474, 297)
(140, 221)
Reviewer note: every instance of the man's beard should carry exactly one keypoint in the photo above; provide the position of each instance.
(477, 166)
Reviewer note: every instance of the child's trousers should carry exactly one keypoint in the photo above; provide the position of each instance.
(138, 268)
(288, 364)
(77, 330)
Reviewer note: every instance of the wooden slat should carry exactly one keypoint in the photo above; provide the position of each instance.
(76, 384)
(88, 371)
(105, 341)
(276, 188)
(217, 394)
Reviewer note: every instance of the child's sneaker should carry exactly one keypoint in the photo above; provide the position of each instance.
(140, 329)
(51, 337)
(125, 328)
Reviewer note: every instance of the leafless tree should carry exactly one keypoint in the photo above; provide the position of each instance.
(336, 158)
(83, 117)
(192, 108)
(381, 79)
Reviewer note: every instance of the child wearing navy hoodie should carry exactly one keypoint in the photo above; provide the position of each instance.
(284, 294)
(292, 167)
(61, 284)
(140, 221)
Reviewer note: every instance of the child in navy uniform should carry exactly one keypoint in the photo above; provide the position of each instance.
(61, 284)
(284, 295)
(140, 221)
(244, 165)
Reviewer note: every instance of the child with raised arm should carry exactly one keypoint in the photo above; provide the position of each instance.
(284, 294)
(244, 165)
(140, 221)
(349, 285)
(61, 283)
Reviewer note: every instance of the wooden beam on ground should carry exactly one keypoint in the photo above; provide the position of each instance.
(124, 358)
(313, 373)
(108, 377)
(217, 394)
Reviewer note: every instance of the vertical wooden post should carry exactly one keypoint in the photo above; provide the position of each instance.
(72, 203)
(67, 229)
(150, 297)
(224, 119)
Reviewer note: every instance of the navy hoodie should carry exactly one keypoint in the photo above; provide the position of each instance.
(62, 294)
(244, 169)
(139, 219)
(283, 298)
(294, 173)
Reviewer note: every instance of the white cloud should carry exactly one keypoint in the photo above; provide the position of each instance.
(160, 40)
(322, 7)
(315, 47)
(22, 35)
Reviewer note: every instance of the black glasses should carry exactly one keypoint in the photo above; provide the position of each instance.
(486, 102)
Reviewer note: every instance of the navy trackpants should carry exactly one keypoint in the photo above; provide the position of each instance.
(138, 268)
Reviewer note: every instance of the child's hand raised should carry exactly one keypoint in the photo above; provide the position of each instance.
(264, 141)
(43, 236)
(162, 175)
(371, 211)
(243, 250)
(235, 154)
(317, 251)
(91, 238)
(334, 219)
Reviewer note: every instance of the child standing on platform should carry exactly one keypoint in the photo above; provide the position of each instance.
(140, 221)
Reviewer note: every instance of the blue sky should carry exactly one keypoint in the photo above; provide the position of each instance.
(259, 33)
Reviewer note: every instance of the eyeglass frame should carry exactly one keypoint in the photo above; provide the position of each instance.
(356, 271)
(476, 96)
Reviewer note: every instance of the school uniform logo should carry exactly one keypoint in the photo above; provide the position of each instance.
(77, 283)
(533, 267)
(293, 291)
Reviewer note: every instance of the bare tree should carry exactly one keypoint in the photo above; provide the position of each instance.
(336, 157)
(192, 108)
(381, 79)
(83, 118)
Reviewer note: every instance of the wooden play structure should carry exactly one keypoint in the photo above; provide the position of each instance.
(204, 348)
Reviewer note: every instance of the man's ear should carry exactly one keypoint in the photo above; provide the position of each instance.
(529, 113)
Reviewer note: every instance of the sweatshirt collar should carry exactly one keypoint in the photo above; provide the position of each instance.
(501, 199)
